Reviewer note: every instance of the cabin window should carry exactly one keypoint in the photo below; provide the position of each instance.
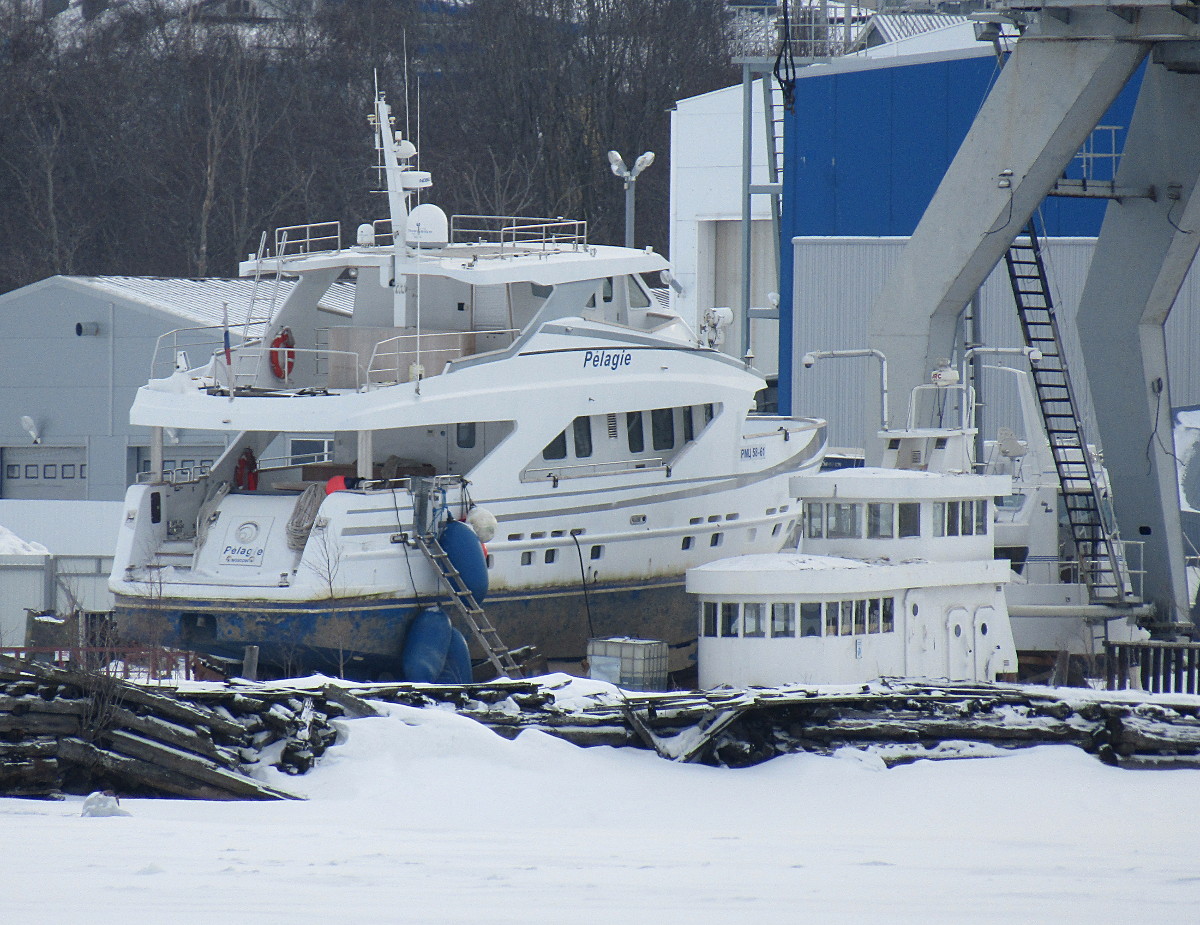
(527, 557)
(952, 518)
(1010, 502)
(814, 519)
(775, 529)
(842, 520)
(981, 517)
(633, 429)
(889, 615)
(556, 448)
(638, 297)
(689, 425)
(596, 553)
(708, 619)
(583, 437)
(715, 540)
(606, 293)
(465, 435)
(873, 609)
(729, 620)
(847, 609)
(880, 520)
(810, 619)
(783, 619)
(754, 620)
(908, 519)
(662, 428)
(551, 554)
(708, 413)
(831, 618)
(687, 542)
(860, 617)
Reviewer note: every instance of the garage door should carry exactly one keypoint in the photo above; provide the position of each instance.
(34, 473)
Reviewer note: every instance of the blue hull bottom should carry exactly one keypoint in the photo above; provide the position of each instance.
(364, 640)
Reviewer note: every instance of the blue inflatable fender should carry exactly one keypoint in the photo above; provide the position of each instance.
(466, 555)
(425, 645)
(457, 669)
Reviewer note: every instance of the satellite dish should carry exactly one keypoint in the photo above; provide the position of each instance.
(427, 226)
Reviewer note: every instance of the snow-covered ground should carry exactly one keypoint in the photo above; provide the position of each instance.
(424, 816)
(13, 545)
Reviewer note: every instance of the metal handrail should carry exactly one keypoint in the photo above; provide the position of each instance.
(575, 471)
(513, 231)
(296, 240)
(208, 345)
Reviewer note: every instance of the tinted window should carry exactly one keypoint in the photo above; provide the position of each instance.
(633, 426)
(583, 437)
(662, 425)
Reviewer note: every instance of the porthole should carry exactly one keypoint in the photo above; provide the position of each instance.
(687, 543)
(982, 629)
(957, 630)
(914, 610)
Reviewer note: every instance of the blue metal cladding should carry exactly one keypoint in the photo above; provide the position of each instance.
(864, 152)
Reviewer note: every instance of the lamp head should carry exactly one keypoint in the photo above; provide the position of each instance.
(617, 163)
(643, 161)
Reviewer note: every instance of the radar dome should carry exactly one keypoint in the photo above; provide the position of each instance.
(427, 226)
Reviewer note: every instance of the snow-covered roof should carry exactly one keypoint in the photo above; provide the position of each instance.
(13, 545)
(201, 301)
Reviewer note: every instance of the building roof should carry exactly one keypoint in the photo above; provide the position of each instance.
(198, 301)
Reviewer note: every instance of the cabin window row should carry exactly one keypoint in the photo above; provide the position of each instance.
(809, 618)
(851, 520)
(45, 471)
(960, 518)
(668, 427)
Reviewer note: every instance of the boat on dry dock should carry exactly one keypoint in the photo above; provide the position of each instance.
(499, 371)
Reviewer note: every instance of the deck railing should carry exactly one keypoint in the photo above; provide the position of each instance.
(518, 232)
(294, 240)
(1157, 667)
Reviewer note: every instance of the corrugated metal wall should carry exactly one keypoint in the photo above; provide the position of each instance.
(838, 279)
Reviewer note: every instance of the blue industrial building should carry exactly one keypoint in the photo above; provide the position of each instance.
(868, 141)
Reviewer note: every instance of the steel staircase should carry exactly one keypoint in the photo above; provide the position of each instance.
(468, 608)
(1097, 545)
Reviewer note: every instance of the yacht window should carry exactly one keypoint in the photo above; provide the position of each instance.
(310, 449)
(783, 619)
(583, 437)
(638, 297)
(810, 619)
(662, 428)
(873, 611)
(889, 614)
(465, 436)
(556, 448)
(729, 620)
(550, 555)
(607, 292)
(847, 608)
(814, 519)
(527, 557)
(687, 543)
(1010, 502)
(708, 413)
(754, 619)
(708, 619)
(880, 520)
(716, 540)
(981, 516)
(952, 518)
(596, 553)
(843, 520)
(689, 427)
(909, 521)
(633, 427)
(860, 617)
(775, 529)
(831, 618)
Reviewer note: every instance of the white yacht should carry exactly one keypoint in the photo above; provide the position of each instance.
(498, 370)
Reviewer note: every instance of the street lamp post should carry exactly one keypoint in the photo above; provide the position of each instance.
(630, 177)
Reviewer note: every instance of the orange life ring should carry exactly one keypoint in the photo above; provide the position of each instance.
(283, 356)
(245, 473)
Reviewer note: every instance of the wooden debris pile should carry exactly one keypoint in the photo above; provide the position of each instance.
(76, 731)
(901, 721)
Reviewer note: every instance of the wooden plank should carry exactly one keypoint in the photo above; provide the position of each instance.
(185, 764)
(133, 773)
(354, 706)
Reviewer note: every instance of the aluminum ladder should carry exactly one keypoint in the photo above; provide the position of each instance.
(468, 608)
(1097, 545)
